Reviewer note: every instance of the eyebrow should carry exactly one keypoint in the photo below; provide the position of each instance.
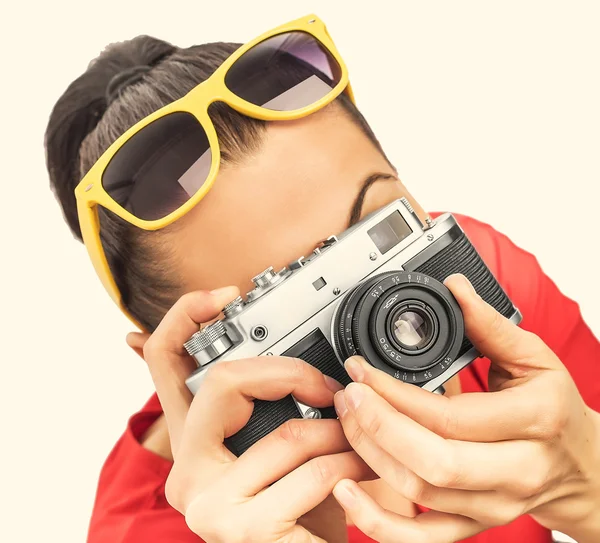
(356, 209)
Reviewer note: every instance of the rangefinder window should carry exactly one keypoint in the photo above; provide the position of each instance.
(389, 232)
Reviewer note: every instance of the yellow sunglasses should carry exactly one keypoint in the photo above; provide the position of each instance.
(162, 166)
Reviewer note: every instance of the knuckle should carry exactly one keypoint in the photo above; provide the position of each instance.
(292, 431)
(501, 515)
(536, 344)
(490, 517)
(416, 490)
(322, 470)
(441, 477)
(551, 421)
(190, 299)
(174, 492)
(209, 516)
(445, 474)
(356, 436)
(150, 348)
(530, 349)
(517, 510)
(448, 421)
(534, 483)
(222, 372)
(557, 424)
(496, 322)
(371, 526)
(210, 527)
(297, 370)
(373, 425)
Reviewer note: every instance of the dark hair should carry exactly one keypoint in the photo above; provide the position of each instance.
(128, 81)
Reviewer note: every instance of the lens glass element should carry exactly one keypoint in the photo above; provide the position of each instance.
(413, 329)
(160, 168)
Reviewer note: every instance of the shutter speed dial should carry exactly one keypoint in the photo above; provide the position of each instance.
(265, 281)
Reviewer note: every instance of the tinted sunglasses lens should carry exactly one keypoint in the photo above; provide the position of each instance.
(284, 73)
(160, 168)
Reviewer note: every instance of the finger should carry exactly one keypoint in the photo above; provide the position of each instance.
(308, 485)
(136, 341)
(464, 416)
(224, 401)
(167, 360)
(295, 442)
(489, 507)
(394, 473)
(495, 336)
(442, 462)
(385, 526)
(184, 318)
(268, 460)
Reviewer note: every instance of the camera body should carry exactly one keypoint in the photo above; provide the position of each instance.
(376, 291)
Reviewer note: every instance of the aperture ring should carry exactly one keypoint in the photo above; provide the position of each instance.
(355, 331)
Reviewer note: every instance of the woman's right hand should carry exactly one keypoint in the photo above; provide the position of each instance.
(261, 495)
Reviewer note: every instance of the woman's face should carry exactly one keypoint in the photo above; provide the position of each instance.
(298, 188)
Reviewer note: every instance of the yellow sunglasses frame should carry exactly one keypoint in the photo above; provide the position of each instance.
(90, 193)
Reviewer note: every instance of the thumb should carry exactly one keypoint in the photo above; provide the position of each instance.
(494, 336)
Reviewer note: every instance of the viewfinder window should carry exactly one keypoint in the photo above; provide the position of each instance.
(389, 232)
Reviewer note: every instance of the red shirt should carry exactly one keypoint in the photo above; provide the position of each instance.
(130, 502)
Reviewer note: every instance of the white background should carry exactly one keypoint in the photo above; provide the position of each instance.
(489, 109)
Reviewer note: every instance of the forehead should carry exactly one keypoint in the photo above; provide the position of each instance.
(277, 203)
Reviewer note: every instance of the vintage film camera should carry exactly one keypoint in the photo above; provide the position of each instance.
(376, 290)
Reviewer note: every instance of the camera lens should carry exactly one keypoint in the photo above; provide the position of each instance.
(404, 323)
(412, 328)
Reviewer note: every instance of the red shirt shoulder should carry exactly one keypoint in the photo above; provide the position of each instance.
(130, 503)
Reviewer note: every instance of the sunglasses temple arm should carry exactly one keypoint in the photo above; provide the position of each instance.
(90, 231)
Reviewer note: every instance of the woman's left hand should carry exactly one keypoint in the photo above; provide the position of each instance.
(476, 460)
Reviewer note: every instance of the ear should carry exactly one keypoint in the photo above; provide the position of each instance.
(137, 340)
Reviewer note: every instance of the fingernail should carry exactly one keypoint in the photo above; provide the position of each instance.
(339, 403)
(344, 494)
(469, 285)
(332, 384)
(355, 369)
(354, 395)
(466, 284)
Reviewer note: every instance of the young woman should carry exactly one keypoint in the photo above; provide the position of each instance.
(173, 212)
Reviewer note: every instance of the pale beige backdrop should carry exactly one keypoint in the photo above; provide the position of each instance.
(486, 108)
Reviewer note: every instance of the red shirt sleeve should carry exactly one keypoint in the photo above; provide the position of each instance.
(130, 503)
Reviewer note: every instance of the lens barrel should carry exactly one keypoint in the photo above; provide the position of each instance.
(404, 323)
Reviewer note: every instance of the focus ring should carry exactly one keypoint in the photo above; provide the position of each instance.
(343, 339)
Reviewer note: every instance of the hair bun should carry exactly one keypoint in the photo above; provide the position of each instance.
(123, 79)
